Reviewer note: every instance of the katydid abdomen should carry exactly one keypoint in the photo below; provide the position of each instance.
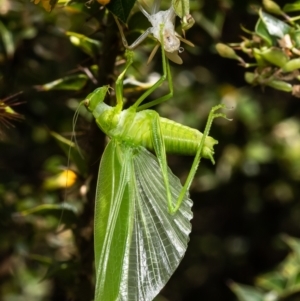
(136, 128)
(183, 140)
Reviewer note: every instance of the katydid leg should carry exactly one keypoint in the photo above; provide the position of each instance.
(166, 75)
(163, 98)
(159, 148)
(160, 151)
(212, 115)
(119, 81)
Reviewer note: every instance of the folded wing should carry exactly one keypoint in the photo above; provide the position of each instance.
(138, 244)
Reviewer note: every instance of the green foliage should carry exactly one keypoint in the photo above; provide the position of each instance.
(90, 46)
(7, 40)
(279, 284)
(274, 47)
(73, 83)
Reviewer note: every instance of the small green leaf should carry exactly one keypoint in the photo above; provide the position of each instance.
(275, 27)
(293, 243)
(291, 7)
(121, 8)
(246, 292)
(291, 65)
(280, 85)
(272, 281)
(181, 7)
(275, 56)
(7, 40)
(88, 45)
(262, 32)
(73, 83)
(65, 212)
(295, 37)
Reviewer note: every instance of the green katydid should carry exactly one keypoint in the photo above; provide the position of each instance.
(142, 212)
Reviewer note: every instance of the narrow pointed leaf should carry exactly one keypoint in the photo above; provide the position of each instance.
(7, 40)
(72, 83)
(64, 212)
(86, 44)
(291, 7)
(246, 292)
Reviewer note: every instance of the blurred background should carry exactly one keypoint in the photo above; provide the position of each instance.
(242, 205)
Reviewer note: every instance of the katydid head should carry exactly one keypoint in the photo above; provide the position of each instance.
(95, 98)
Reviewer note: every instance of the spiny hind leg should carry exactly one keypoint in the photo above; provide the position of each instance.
(160, 151)
(212, 115)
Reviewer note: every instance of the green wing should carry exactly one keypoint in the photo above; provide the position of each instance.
(138, 244)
